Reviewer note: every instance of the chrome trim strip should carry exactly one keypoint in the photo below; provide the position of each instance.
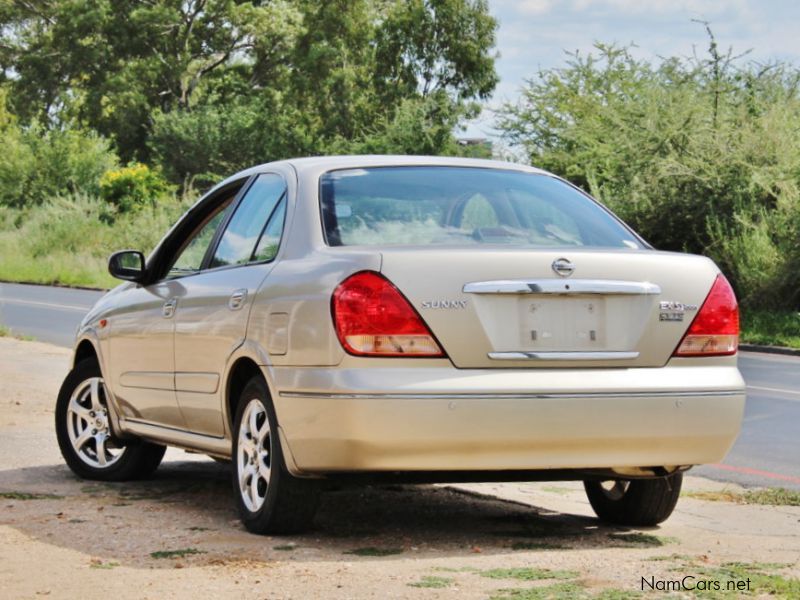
(568, 356)
(518, 396)
(562, 286)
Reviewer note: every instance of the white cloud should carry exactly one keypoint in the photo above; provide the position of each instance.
(533, 34)
(533, 7)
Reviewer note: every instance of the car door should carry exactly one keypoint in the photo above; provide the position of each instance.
(142, 328)
(211, 318)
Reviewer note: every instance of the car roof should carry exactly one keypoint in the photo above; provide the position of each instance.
(317, 164)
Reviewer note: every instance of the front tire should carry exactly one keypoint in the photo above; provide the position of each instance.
(83, 429)
(638, 502)
(270, 500)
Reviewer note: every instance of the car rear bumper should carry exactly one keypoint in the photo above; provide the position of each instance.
(444, 419)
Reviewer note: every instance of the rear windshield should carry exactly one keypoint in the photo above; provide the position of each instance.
(462, 206)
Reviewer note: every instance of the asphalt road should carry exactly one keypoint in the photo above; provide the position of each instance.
(767, 452)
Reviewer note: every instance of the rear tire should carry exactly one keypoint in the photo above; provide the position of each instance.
(83, 428)
(270, 500)
(637, 502)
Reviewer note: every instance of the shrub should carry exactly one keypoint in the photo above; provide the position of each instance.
(37, 164)
(68, 239)
(699, 155)
(133, 187)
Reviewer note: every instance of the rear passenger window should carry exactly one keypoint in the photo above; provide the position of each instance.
(251, 222)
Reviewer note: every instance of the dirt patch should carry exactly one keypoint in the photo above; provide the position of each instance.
(178, 536)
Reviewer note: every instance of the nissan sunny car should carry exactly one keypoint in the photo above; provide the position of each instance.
(407, 319)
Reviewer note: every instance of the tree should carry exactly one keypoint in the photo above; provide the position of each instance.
(205, 86)
(699, 155)
(111, 64)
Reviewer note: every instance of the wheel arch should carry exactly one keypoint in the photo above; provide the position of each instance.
(251, 361)
(85, 350)
(241, 371)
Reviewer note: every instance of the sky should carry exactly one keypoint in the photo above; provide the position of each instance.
(534, 34)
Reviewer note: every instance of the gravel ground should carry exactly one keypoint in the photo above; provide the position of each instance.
(177, 536)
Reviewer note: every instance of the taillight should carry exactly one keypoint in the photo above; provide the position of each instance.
(372, 318)
(715, 329)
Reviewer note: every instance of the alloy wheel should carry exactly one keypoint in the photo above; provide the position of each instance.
(615, 490)
(88, 425)
(254, 458)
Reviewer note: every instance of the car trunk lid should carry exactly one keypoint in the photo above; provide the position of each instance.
(521, 308)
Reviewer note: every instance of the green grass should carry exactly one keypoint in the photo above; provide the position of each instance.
(28, 496)
(770, 328)
(528, 574)
(762, 582)
(642, 539)
(559, 591)
(180, 553)
(6, 332)
(431, 581)
(564, 591)
(372, 551)
(615, 594)
(101, 565)
(536, 546)
(663, 558)
(767, 496)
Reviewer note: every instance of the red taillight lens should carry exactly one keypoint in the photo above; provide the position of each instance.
(372, 318)
(715, 329)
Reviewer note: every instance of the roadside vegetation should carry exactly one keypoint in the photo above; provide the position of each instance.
(6, 332)
(767, 496)
(106, 142)
(770, 327)
(698, 154)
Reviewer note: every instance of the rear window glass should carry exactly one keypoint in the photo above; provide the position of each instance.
(396, 206)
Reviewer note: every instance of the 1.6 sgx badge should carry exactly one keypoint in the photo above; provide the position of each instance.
(674, 311)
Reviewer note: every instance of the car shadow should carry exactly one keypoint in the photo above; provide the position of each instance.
(186, 513)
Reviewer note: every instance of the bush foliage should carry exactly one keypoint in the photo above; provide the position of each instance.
(699, 155)
(37, 164)
(133, 187)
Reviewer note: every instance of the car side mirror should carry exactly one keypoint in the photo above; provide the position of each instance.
(127, 265)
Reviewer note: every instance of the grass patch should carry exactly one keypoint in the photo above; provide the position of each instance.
(372, 551)
(665, 557)
(558, 591)
(536, 546)
(528, 574)
(180, 553)
(642, 539)
(28, 496)
(285, 547)
(431, 581)
(564, 591)
(99, 564)
(770, 328)
(6, 332)
(767, 496)
(615, 594)
(761, 581)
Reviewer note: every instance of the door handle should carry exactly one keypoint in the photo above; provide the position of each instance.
(169, 308)
(236, 301)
